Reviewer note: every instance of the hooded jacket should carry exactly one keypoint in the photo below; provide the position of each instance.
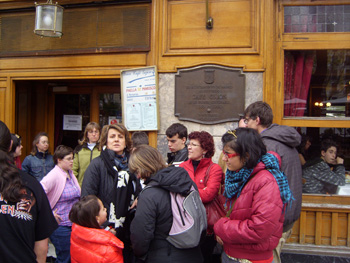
(153, 219)
(283, 140)
(256, 221)
(91, 245)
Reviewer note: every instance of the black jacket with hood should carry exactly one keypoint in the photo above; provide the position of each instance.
(283, 140)
(153, 219)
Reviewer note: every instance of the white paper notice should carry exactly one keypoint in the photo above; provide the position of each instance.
(139, 87)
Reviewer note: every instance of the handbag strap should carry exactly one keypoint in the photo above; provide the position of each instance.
(206, 177)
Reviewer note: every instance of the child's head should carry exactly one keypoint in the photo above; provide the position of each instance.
(88, 212)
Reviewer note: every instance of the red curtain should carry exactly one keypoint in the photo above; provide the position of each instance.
(297, 75)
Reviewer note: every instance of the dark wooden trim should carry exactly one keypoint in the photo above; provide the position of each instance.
(74, 52)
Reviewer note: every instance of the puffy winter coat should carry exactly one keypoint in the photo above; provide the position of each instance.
(82, 158)
(207, 191)
(256, 222)
(91, 245)
(105, 182)
(153, 219)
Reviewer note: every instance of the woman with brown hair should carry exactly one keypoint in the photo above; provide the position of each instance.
(87, 150)
(62, 190)
(109, 179)
(40, 162)
(153, 219)
(16, 149)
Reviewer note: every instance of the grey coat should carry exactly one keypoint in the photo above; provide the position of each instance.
(283, 140)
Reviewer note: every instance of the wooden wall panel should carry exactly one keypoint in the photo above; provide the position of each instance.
(2, 103)
(324, 225)
(235, 28)
(85, 30)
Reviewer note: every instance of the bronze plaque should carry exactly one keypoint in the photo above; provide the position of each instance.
(209, 94)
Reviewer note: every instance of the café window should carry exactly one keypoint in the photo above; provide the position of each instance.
(317, 83)
(311, 151)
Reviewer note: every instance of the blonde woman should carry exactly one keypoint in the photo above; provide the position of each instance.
(87, 150)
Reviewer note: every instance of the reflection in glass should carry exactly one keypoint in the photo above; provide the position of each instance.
(317, 83)
(110, 108)
(316, 135)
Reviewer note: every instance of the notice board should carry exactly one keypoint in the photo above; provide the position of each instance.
(139, 90)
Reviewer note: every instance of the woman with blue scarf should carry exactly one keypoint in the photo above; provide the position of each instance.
(258, 194)
(108, 178)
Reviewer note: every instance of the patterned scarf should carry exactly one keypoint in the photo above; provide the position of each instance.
(235, 180)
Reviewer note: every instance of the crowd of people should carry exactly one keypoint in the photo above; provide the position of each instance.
(95, 203)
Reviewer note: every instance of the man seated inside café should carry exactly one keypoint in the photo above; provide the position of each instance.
(324, 175)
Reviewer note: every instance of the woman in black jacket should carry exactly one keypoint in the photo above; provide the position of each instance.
(153, 218)
(109, 179)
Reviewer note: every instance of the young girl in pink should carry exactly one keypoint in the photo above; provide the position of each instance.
(89, 242)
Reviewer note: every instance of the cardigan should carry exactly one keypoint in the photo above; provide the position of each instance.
(54, 182)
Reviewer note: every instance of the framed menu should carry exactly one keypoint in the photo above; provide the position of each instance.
(139, 90)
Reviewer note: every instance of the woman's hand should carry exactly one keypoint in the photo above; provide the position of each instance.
(219, 240)
(57, 217)
(134, 204)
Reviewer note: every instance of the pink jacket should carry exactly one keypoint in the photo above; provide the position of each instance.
(256, 222)
(54, 182)
(210, 190)
(92, 245)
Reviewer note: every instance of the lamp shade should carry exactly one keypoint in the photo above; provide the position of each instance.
(48, 20)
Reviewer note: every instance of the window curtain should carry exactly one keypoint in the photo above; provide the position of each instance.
(297, 75)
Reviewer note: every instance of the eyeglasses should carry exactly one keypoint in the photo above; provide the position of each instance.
(247, 119)
(229, 155)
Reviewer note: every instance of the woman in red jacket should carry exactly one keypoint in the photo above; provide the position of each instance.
(89, 242)
(207, 176)
(258, 193)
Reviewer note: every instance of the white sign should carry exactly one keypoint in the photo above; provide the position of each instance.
(140, 98)
(72, 122)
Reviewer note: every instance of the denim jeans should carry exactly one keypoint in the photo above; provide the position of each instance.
(61, 240)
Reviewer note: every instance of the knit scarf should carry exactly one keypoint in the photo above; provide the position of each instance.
(236, 180)
(123, 190)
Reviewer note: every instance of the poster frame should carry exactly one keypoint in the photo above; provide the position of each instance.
(146, 72)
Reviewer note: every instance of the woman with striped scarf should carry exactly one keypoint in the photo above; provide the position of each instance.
(257, 193)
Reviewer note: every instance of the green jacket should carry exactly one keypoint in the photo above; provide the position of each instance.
(82, 158)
